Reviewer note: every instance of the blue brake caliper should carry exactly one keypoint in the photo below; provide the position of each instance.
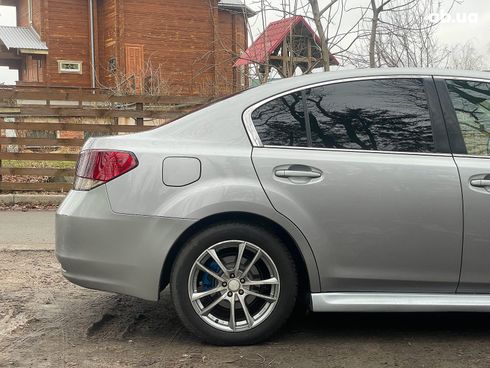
(208, 281)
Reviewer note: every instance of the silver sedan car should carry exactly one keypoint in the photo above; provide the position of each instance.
(363, 190)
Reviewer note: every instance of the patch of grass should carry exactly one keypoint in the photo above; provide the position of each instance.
(39, 164)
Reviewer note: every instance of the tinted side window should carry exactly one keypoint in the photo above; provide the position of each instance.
(471, 101)
(281, 122)
(383, 115)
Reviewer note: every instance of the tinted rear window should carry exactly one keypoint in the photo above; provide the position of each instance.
(383, 115)
(281, 122)
(471, 101)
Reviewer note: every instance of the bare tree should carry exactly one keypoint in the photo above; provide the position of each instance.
(466, 56)
(317, 18)
(406, 38)
(401, 34)
(222, 53)
(147, 81)
(377, 10)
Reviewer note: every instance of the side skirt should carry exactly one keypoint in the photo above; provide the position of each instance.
(399, 302)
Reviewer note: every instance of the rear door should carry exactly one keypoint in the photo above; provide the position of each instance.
(467, 110)
(363, 171)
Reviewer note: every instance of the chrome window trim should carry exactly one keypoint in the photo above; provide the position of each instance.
(352, 150)
(472, 79)
(461, 155)
(250, 127)
(254, 136)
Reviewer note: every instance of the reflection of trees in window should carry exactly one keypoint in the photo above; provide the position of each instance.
(281, 122)
(471, 100)
(388, 115)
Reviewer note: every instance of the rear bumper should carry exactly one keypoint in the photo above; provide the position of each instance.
(102, 250)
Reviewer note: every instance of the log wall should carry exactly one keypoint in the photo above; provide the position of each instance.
(191, 42)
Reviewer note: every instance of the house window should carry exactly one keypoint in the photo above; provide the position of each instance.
(67, 66)
(112, 65)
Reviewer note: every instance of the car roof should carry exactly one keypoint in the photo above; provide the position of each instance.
(282, 85)
(224, 118)
(376, 72)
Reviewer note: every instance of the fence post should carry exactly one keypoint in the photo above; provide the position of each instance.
(139, 107)
(0, 169)
(80, 98)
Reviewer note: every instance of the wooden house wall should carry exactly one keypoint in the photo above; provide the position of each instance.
(192, 45)
(107, 34)
(242, 37)
(32, 67)
(68, 38)
(38, 11)
(178, 39)
(226, 49)
(232, 40)
(23, 21)
(38, 14)
(22, 13)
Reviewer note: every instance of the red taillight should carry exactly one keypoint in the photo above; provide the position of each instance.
(96, 167)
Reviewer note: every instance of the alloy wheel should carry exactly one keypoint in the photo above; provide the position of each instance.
(234, 285)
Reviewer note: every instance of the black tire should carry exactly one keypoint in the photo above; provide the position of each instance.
(264, 239)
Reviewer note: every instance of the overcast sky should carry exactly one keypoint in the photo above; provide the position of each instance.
(472, 23)
(450, 33)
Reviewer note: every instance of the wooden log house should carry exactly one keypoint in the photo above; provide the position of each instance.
(177, 47)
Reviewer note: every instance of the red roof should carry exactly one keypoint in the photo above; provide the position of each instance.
(272, 37)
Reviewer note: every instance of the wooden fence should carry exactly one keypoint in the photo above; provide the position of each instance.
(29, 162)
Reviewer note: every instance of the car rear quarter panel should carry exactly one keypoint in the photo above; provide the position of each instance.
(228, 182)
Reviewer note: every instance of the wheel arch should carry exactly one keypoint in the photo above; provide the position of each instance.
(303, 258)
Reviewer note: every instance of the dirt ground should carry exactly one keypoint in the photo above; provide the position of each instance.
(47, 322)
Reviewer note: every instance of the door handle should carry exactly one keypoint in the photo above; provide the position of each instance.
(298, 174)
(480, 183)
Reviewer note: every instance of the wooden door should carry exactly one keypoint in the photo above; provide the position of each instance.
(33, 68)
(135, 65)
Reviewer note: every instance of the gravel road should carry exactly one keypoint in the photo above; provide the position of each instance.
(47, 322)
